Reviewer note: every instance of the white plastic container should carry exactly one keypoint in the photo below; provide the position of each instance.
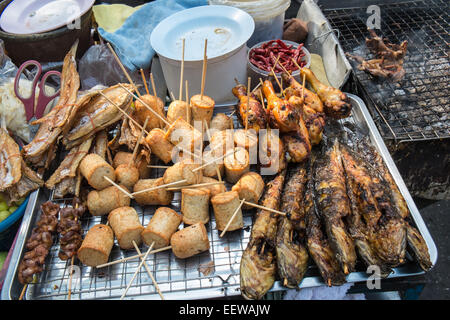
(267, 14)
(227, 30)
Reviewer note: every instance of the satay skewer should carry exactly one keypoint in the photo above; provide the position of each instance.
(137, 270)
(148, 271)
(232, 218)
(132, 257)
(69, 293)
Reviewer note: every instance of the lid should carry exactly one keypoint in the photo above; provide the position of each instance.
(37, 16)
(226, 28)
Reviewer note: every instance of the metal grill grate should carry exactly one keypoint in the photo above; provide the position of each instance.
(417, 107)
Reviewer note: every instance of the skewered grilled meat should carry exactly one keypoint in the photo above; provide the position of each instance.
(10, 161)
(319, 246)
(257, 117)
(296, 89)
(334, 206)
(314, 122)
(39, 243)
(292, 256)
(258, 269)
(416, 243)
(41, 149)
(69, 227)
(337, 104)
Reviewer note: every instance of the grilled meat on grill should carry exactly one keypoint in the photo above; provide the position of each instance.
(319, 246)
(258, 267)
(257, 116)
(333, 205)
(292, 256)
(39, 243)
(69, 227)
(336, 103)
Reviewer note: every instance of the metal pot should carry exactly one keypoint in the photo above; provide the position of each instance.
(49, 46)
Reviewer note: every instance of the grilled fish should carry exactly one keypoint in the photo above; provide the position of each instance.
(333, 205)
(292, 256)
(10, 161)
(258, 265)
(416, 243)
(319, 246)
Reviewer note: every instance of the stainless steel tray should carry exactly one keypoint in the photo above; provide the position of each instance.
(180, 279)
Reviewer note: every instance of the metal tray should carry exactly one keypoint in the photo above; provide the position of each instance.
(181, 279)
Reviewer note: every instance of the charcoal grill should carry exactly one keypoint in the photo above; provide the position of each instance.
(412, 112)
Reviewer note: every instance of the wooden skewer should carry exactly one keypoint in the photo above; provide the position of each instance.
(205, 58)
(148, 271)
(144, 81)
(172, 96)
(146, 105)
(188, 104)
(153, 84)
(22, 293)
(157, 167)
(119, 187)
(123, 68)
(182, 71)
(303, 87)
(159, 187)
(124, 113)
(137, 270)
(232, 218)
(138, 142)
(274, 74)
(69, 294)
(214, 161)
(248, 102)
(219, 176)
(131, 258)
(195, 185)
(264, 208)
(256, 88)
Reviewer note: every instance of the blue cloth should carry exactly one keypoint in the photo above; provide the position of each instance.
(132, 41)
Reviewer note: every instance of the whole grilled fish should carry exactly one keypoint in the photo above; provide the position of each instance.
(365, 214)
(292, 256)
(258, 267)
(319, 246)
(416, 243)
(333, 205)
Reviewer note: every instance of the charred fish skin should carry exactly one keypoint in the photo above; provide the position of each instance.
(317, 242)
(333, 205)
(258, 264)
(364, 212)
(292, 256)
(415, 242)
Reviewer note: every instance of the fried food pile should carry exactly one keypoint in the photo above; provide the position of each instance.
(388, 61)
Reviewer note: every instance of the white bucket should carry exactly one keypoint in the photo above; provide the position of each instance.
(227, 50)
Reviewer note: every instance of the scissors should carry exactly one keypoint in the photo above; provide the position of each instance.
(31, 107)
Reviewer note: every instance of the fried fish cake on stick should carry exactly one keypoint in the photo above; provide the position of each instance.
(258, 262)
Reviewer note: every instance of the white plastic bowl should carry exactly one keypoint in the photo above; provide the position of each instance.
(227, 29)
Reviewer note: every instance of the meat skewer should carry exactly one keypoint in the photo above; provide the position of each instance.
(256, 116)
(39, 244)
(258, 265)
(337, 104)
(292, 256)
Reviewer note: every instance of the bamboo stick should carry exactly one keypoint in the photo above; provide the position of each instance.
(232, 217)
(131, 258)
(119, 187)
(159, 187)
